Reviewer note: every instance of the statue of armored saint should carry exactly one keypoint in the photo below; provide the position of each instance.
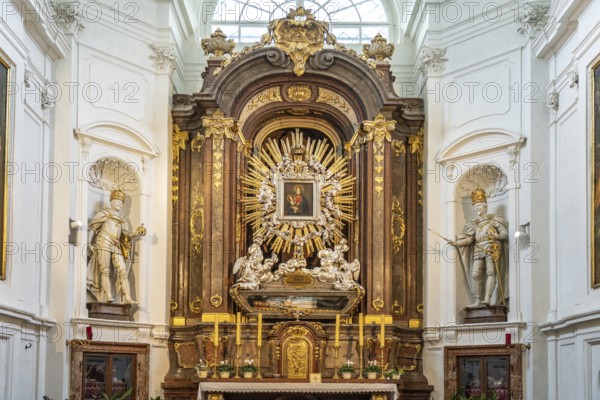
(110, 246)
(484, 237)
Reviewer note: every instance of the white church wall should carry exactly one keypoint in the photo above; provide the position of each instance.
(477, 96)
(570, 44)
(30, 46)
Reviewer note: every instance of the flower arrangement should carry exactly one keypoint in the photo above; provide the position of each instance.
(224, 366)
(248, 366)
(347, 367)
(372, 366)
(202, 366)
(393, 373)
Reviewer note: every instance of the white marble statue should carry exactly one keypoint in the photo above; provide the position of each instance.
(110, 246)
(485, 238)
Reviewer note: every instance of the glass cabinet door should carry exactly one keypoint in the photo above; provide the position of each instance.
(470, 376)
(497, 377)
(108, 374)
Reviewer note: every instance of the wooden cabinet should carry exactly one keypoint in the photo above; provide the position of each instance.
(105, 367)
(483, 370)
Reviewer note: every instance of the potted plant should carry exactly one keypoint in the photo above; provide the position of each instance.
(248, 369)
(393, 373)
(372, 369)
(347, 370)
(224, 369)
(202, 369)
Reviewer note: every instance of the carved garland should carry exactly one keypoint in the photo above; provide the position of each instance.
(378, 131)
(179, 140)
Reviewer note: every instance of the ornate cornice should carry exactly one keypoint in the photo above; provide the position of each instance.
(163, 57)
(432, 60)
(67, 16)
(533, 19)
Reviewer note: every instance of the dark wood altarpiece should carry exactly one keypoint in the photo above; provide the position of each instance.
(261, 94)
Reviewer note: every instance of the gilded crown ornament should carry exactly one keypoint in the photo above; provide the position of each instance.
(379, 49)
(218, 44)
(299, 35)
(478, 196)
(117, 194)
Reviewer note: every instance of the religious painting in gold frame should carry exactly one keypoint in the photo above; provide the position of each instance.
(4, 129)
(298, 199)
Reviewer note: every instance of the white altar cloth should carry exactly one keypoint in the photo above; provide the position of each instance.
(305, 388)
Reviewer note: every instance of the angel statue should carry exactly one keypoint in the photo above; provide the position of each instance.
(335, 269)
(110, 246)
(251, 270)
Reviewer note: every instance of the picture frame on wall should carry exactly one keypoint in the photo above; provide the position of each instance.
(298, 200)
(595, 164)
(5, 72)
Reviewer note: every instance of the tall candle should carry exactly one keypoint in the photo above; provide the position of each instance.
(361, 329)
(238, 328)
(216, 330)
(382, 336)
(259, 335)
(337, 330)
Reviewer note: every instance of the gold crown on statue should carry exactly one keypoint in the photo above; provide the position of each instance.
(478, 196)
(117, 194)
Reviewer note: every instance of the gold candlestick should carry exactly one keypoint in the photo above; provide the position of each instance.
(258, 375)
(361, 347)
(216, 362)
(382, 364)
(238, 347)
(336, 347)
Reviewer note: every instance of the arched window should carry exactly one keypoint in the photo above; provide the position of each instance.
(351, 21)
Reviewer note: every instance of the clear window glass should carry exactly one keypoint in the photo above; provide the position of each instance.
(352, 21)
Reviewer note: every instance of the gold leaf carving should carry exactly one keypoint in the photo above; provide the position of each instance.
(333, 99)
(377, 304)
(378, 131)
(299, 35)
(196, 305)
(216, 301)
(271, 95)
(197, 222)
(197, 143)
(416, 146)
(179, 140)
(399, 147)
(398, 224)
(219, 127)
(299, 92)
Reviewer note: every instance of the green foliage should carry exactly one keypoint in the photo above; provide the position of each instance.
(224, 366)
(118, 395)
(460, 395)
(248, 368)
(373, 367)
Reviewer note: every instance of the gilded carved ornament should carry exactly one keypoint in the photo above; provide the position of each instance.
(398, 225)
(333, 99)
(378, 131)
(216, 300)
(299, 35)
(218, 44)
(379, 49)
(179, 140)
(377, 304)
(268, 96)
(174, 306)
(416, 143)
(197, 222)
(197, 142)
(219, 127)
(196, 305)
(299, 92)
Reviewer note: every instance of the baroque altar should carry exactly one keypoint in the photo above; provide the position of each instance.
(297, 213)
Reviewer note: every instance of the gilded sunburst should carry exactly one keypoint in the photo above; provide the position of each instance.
(297, 195)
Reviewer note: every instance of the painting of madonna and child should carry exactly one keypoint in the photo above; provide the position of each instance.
(297, 200)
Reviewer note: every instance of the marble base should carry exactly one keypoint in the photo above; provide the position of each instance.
(483, 314)
(119, 312)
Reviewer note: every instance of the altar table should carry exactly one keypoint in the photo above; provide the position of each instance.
(217, 390)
